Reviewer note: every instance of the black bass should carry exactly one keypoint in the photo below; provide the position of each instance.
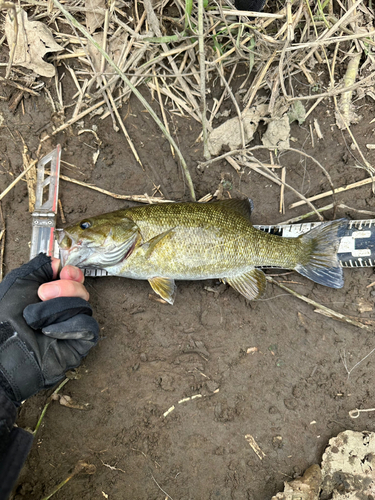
(196, 241)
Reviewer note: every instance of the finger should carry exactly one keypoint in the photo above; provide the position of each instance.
(72, 273)
(79, 327)
(55, 267)
(62, 288)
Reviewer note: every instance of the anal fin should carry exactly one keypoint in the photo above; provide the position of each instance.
(165, 287)
(251, 284)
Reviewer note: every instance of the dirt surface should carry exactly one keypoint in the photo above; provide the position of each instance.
(291, 394)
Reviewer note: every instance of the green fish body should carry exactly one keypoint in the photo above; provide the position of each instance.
(196, 241)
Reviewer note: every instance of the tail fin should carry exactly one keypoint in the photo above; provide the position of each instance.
(320, 262)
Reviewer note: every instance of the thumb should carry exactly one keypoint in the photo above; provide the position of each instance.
(80, 327)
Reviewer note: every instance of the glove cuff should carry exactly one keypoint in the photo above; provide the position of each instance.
(15, 361)
(12, 461)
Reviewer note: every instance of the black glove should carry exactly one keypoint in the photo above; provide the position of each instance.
(40, 341)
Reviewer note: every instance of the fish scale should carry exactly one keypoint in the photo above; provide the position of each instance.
(203, 244)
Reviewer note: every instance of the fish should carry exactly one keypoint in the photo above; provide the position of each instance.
(165, 242)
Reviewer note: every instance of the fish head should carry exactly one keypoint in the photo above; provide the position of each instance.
(98, 242)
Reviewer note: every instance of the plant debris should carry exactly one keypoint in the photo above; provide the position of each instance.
(346, 471)
(229, 133)
(34, 41)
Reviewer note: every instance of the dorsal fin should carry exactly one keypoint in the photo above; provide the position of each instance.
(242, 207)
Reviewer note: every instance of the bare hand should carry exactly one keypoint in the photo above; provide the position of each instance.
(69, 284)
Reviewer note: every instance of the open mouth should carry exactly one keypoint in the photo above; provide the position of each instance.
(63, 239)
(68, 249)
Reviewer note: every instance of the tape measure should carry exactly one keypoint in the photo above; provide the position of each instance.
(357, 240)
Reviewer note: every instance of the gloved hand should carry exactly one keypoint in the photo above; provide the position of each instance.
(40, 341)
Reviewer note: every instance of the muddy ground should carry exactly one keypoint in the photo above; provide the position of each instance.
(292, 393)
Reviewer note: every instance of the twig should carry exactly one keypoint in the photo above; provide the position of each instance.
(324, 170)
(330, 192)
(271, 176)
(160, 488)
(81, 466)
(18, 86)
(139, 198)
(162, 107)
(255, 447)
(30, 176)
(327, 41)
(202, 66)
(355, 413)
(112, 467)
(323, 209)
(344, 110)
(357, 364)
(250, 13)
(282, 189)
(334, 28)
(76, 118)
(235, 103)
(102, 83)
(230, 51)
(259, 79)
(334, 92)
(322, 309)
(220, 101)
(11, 6)
(2, 221)
(62, 215)
(12, 184)
(123, 128)
(155, 25)
(180, 103)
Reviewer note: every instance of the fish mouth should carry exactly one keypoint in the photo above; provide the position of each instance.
(59, 235)
(70, 251)
(64, 249)
(91, 256)
(71, 257)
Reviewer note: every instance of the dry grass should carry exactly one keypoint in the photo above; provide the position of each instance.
(179, 50)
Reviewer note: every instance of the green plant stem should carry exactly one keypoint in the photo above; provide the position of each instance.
(59, 486)
(47, 405)
(188, 11)
(78, 468)
(134, 90)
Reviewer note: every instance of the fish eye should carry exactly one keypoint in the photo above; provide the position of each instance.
(85, 224)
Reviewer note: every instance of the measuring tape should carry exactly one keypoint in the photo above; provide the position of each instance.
(357, 237)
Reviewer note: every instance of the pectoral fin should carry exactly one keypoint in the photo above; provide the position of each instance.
(251, 285)
(150, 245)
(164, 287)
